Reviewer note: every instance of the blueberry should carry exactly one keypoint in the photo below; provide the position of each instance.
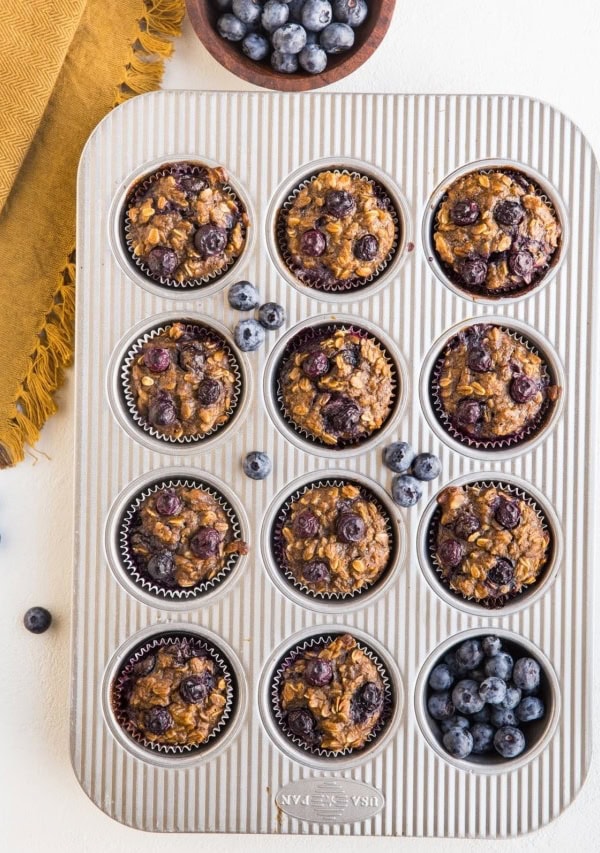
(406, 490)
(370, 696)
(243, 296)
(351, 12)
(168, 503)
(162, 261)
(530, 708)
(521, 263)
(440, 677)
(257, 465)
(313, 242)
(482, 716)
(161, 411)
(158, 721)
(366, 247)
(205, 543)
(473, 271)
(256, 46)
(249, 335)
(466, 698)
(271, 315)
(247, 11)
(508, 514)
(454, 666)
(339, 203)
(466, 524)
(209, 392)
(192, 358)
(508, 213)
(37, 620)
(426, 466)
(157, 359)
(210, 240)
(316, 14)
(502, 573)
(458, 742)
(316, 571)
(468, 413)
(285, 63)
(483, 738)
(145, 666)
(469, 654)
(451, 722)
(336, 38)
(230, 28)
(492, 690)
(306, 525)
(440, 705)
(196, 688)
(316, 364)
(526, 674)
(479, 359)
(398, 456)
(318, 672)
(523, 389)
(160, 567)
(295, 7)
(465, 212)
(503, 716)
(301, 722)
(290, 38)
(193, 183)
(509, 741)
(491, 646)
(274, 15)
(222, 5)
(312, 57)
(450, 553)
(350, 527)
(501, 666)
(341, 415)
(512, 698)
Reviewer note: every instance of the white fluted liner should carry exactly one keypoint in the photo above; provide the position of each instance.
(262, 138)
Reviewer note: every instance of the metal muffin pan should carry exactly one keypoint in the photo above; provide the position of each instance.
(254, 782)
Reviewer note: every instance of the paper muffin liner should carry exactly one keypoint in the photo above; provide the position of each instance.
(278, 544)
(517, 289)
(499, 602)
(139, 573)
(336, 285)
(120, 688)
(527, 432)
(138, 190)
(202, 333)
(312, 335)
(313, 644)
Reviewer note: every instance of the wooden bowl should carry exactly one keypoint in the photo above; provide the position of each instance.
(204, 14)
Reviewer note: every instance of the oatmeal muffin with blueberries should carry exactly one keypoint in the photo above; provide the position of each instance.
(489, 543)
(496, 232)
(339, 388)
(174, 694)
(335, 540)
(185, 223)
(338, 230)
(332, 697)
(491, 387)
(184, 381)
(182, 536)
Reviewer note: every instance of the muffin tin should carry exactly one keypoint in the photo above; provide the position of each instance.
(250, 778)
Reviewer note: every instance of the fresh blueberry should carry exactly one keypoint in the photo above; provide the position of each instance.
(350, 527)
(168, 503)
(306, 524)
(196, 688)
(492, 690)
(523, 388)
(508, 514)
(500, 666)
(158, 721)
(256, 46)
(301, 722)
(316, 364)
(455, 720)
(161, 411)
(341, 415)
(406, 490)
(157, 359)
(509, 741)
(247, 11)
(530, 708)
(483, 738)
(508, 213)
(160, 567)
(231, 28)
(469, 654)
(274, 15)
(465, 212)
(271, 315)
(426, 466)
(257, 465)
(440, 677)
(318, 672)
(450, 553)
(482, 716)
(526, 674)
(205, 543)
(466, 698)
(398, 456)
(312, 57)
(491, 646)
(285, 63)
(290, 38)
(366, 247)
(339, 203)
(209, 391)
(316, 571)
(503, 717)
(162, 261)
(458, 742)
(351, 12)
(473, 271)
(249, 335)
(512, 698)
(37, 620)
(210, 240)
(243, 296)
(522, 264)
(316, 14)
(336, 38)
(440, 705)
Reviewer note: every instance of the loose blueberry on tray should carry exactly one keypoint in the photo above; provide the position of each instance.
(271, 315)
(243, 296)
(37, 620)
(257, 465)
(249, 335)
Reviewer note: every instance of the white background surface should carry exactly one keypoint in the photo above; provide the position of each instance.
(545, 48)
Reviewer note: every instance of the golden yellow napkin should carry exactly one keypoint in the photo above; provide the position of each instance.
(63, 65)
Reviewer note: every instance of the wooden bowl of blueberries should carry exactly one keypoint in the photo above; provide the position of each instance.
(291, 45)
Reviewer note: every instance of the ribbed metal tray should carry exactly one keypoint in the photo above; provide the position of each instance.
(406, 787)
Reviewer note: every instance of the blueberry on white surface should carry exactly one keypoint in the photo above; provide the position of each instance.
(37, 620)
(243, 296)
(398, 456)
(249, 335)
(257, 465)
(271, 315)
(426, 466)
(406, 491)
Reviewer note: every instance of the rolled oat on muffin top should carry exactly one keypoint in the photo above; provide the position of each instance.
(332, 697)
(336, 540)
(339, 388)
(496, 232)
(182, 536)
(185, 223)
(490, 386)
(339, 228)
(183, 381)
(490, 543)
